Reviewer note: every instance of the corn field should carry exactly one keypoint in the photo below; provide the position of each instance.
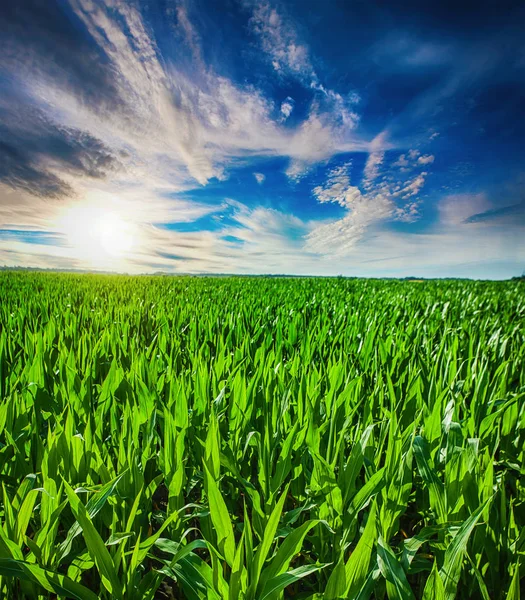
(260, 439)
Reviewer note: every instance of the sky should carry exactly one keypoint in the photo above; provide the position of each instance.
(344, 137)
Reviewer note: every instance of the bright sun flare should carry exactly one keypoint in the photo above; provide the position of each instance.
(98, 236)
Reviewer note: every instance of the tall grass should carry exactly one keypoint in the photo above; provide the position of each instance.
(257, 439)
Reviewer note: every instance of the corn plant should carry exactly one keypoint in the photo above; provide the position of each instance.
(261, 438)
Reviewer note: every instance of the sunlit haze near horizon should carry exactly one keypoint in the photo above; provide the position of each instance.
(281, 137)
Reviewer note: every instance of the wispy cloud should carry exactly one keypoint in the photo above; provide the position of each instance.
(384, 193)
(333, 116)
(280, 41)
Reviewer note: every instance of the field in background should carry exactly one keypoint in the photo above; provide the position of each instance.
(261, 438)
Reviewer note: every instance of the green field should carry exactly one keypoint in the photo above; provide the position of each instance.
(258, 439)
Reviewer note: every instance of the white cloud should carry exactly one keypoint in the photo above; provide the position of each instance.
(280, 42)
(384, 194)
(364, 208)
(412, 186)
(462, 251)
(332, 118)
(412, 159)
(402, 161)
(257, 240)
(336, 187)
(374, 160)
(339, 237)
(190, 34)
(286, 108)
(455, 209)
(259, 177)
(173, 129)
(264, 240)
(407, 213)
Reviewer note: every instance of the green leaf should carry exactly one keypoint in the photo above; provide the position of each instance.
(358, 564)
(221, 519)
(52, 582)
(428, 474)
(288, 548)
(434, 589)
(95, 545)
(93, 506)
(266, 543)
(454, 554)
(279, 583)
(397, 586)
(514, 589)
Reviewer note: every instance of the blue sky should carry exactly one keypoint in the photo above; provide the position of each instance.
(248, 136)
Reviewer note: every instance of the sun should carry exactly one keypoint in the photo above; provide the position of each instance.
(98, 236)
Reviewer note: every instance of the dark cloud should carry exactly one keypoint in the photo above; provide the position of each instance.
(46, 37)
(33, 148)
(510, 215)
(17, 171)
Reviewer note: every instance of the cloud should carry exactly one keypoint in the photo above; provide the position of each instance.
(407, 213)
(337, 187)
(478, 253)
(339, 237)
(279, 40)
(95, 110)
(261, 240)
(472, 210)
(332, 117)
(509, 215)
(411, 187)
(39, 155)
(199, 122)
(363, 208)
(259, 177)
(402, 162)
(400, 51)
(42, 40)
(472, 238)
(374, 160)
(17, 171)
(384, 193)
(190, 34)
(254, 240)
(287, 108)
(456, 209)
(412, 159)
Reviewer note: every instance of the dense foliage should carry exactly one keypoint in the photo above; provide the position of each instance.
(237, 438)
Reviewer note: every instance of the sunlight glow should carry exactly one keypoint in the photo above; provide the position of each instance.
(99, 236)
